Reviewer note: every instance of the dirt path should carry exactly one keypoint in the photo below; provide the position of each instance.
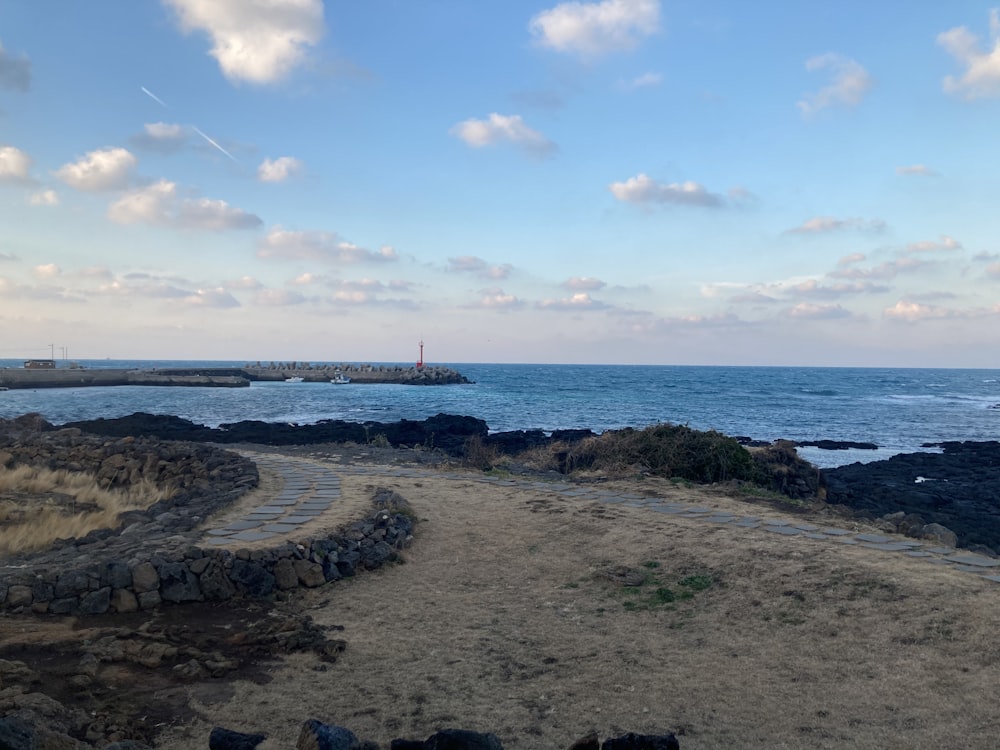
(509, 616)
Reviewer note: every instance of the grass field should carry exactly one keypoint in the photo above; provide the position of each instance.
(38, 506)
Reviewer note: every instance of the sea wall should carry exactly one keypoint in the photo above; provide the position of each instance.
(79, 378)
(358, 373)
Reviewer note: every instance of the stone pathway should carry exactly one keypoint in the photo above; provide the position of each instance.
(310, 489)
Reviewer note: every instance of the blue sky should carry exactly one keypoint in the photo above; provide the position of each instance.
(621, 181)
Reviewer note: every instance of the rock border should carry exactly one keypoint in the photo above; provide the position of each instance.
(156, 556)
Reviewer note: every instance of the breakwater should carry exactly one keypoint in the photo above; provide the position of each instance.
(231, 377)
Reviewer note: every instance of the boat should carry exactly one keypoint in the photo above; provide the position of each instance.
(294, 379)
(340, 379)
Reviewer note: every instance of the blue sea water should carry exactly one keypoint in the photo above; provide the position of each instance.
(897, 409)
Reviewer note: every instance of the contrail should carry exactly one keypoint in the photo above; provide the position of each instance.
(216, 145)
(154, 97)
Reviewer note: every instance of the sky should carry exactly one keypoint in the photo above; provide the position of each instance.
(619, 181)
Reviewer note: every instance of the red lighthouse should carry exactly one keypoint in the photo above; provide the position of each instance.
(420, 362)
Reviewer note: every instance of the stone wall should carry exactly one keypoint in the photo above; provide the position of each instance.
(156, 555)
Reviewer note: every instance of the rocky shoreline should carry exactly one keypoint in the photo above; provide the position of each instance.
(958, 488)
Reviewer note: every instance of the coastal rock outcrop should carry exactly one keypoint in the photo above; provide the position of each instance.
(958, 489)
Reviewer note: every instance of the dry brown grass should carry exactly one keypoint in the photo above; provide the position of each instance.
(38, 506)
(504, 619)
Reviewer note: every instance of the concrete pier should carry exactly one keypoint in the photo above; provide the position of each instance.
(208, 377)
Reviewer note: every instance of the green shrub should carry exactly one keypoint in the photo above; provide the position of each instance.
(668, 451)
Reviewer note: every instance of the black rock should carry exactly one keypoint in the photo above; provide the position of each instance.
(462, 739)
(632, 741)
(227, 739)
(959, 489)
(316, 734)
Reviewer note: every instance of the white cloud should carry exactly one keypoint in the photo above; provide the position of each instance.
(10, 290)
(308, 279)
(642, 189)
(888, 270)
(914, 311)
(584, 284)
(14, 164)
(918, 170)
(44, 198)
(498, 299)
(278, 298)
(644, 81)
(164, 130)
(285, 244)
(503, 128)
(244, 282)
(823, 224)
(594, 29)
(260, 41)
(814, 289)
(7, 256)
(96, 272)
(578, 301)
(848, 260)
(103, 169)
(993, 269)
(217, 298)
(931, 246)
(981, 78)
(15, 72)
(160, 205)
(809, 311)
(278, 170)
(849, 85)
(46, 271)
(472, 264)
(161, 136)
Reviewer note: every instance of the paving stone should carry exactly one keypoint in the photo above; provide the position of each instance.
(699, 509)
(297, 519)
(280, 528)
(671, 511)
(252, 536)
(992, 578)
(220, 532)
(310, 513)
(968, 569)
(806, 526)
(263, 516)
(836, 532)
(243, 525)
(874, 538)
(748, 524)
(917, 553)
(887, 547)
(942, 550)
(719, 519)
(976, 560)
(268, 509)
(775, 522)
(313, 506)
(785, 530)
(284, 504)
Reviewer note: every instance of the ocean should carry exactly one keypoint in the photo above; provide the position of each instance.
(897, 409)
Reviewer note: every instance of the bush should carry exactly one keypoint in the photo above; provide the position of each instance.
(666, 451)
(478, 454)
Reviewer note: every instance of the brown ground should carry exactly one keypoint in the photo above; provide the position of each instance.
(504, 618)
